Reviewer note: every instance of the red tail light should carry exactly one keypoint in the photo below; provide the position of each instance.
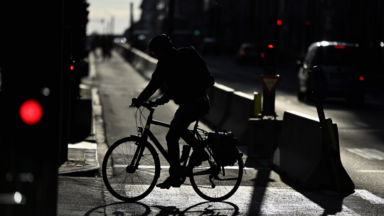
(270, 46)
(361, 78)
(339, 47)
(262, 55)
(72, 67)
(242, 53)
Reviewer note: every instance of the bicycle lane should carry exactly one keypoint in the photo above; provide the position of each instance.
(262, 190)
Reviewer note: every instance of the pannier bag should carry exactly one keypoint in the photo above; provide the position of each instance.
(223, 146)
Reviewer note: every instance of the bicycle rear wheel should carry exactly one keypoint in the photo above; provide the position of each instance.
(211, 183)
(121, 181)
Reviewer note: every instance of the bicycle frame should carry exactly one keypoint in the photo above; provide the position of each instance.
(148, 134)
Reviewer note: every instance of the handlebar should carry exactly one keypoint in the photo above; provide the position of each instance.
(147, 104)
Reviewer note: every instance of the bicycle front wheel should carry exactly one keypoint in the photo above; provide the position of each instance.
(121, 180)
(216, 183)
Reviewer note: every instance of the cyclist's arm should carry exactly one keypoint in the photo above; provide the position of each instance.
(157, 79)
(167, 96)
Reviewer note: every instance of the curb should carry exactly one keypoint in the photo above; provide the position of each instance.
(88, 155)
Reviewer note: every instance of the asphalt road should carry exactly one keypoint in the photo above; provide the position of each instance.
(360, 127)
(262, 192)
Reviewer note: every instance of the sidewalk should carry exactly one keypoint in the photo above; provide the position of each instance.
(84, 158)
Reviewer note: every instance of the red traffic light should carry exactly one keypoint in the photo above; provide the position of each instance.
(307, 22)
(72, 67)
(31, 112)
(361, 78)
(279, 22)
(270, 46)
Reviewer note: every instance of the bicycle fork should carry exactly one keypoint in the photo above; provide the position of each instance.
(131, 168)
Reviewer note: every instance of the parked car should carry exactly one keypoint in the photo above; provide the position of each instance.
(249, 53)
(342, 64)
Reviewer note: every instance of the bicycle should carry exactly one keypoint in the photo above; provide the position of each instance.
(131, 166)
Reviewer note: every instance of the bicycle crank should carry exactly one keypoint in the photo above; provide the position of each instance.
(210, 179)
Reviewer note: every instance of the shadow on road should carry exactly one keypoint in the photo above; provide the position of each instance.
(331, 204)
(137, 208)
(122, 209)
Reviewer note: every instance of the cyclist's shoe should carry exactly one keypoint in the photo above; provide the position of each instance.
(170, 182)
(199, 155)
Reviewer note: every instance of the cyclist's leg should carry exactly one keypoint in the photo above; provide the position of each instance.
(184, 116)
(192, 113)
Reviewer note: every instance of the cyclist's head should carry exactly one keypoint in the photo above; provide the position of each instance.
(160, 42)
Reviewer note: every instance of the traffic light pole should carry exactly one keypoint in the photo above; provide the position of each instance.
(269, 70)
(30, 150)
(269, 58)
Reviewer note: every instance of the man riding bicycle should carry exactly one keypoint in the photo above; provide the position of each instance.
(185, 77)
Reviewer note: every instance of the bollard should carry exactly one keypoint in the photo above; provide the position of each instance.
(257, 104)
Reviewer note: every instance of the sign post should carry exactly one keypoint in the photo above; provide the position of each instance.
(270, 81)
(319, 86)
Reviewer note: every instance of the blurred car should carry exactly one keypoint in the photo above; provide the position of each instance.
(249, 53)
(342, 64)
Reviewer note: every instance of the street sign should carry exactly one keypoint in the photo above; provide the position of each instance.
(270, 82)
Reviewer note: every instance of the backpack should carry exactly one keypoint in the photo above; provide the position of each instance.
(198, 67)
(223, 146)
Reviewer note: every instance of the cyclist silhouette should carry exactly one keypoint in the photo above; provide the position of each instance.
(185, 77)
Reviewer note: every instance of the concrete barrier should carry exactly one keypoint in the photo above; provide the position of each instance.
(263, 138)
(241, 108)
(220, 97)
(302, 156)
(142, 62)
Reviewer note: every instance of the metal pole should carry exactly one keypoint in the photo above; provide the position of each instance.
(131, 27)
(112, 25)
(171, 17)
(269, 60)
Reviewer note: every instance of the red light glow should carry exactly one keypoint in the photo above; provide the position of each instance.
(270, 46)
(72, 67)
(262, 55)
(361, 78)
(242, 53)
(279, 22)
(339, 47)
(31, 112)
(307, 22)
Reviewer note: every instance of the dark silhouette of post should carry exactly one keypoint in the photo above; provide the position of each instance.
(171, 18)
(269, 60)
(131, 28)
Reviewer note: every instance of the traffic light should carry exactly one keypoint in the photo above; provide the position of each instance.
(31, 112)
(269, 58)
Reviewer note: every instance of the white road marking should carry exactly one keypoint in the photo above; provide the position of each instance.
(167, 167)
(370, 154)
(361, 124)
(368, 196)
(370, 171)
